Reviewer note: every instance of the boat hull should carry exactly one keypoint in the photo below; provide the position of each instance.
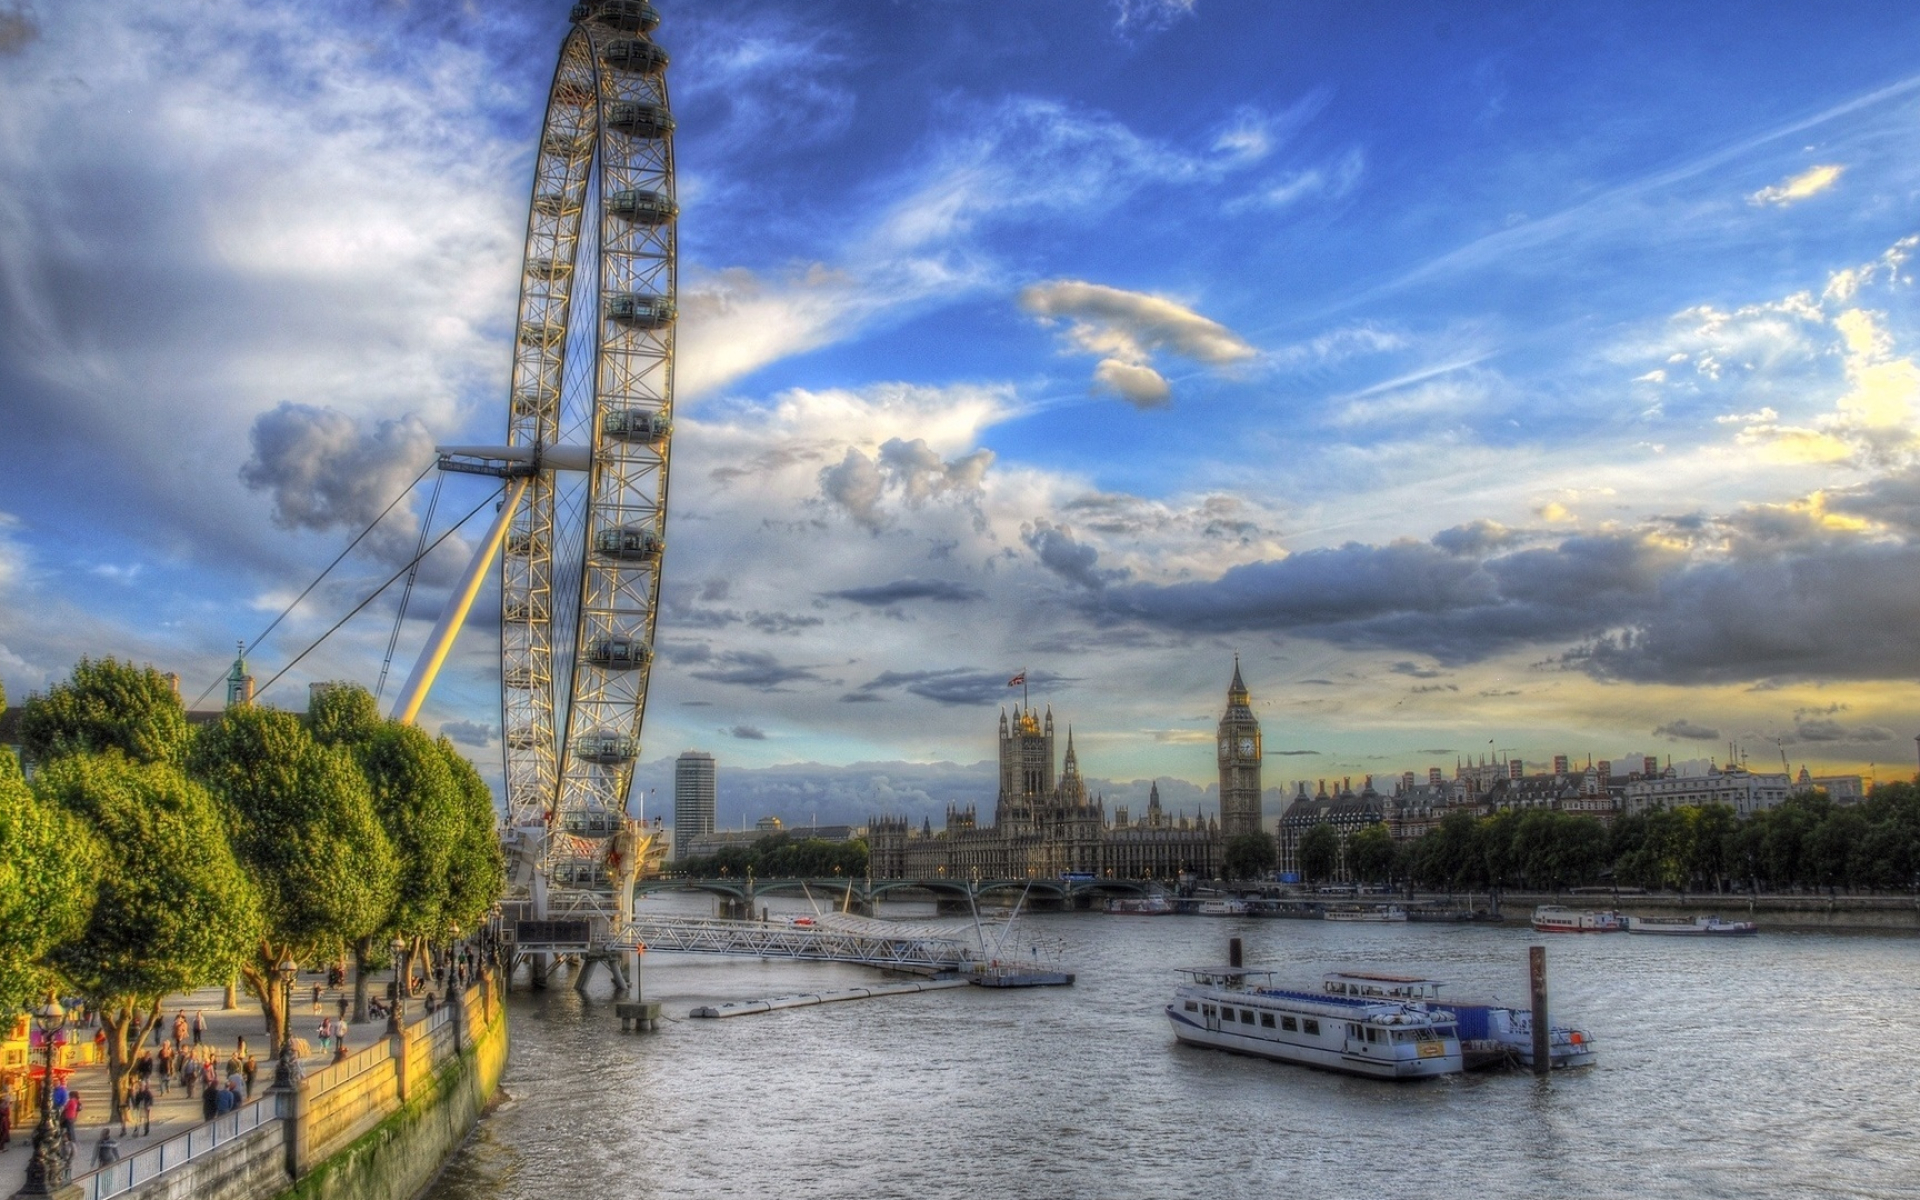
(1709, 927)
(1192, 1033)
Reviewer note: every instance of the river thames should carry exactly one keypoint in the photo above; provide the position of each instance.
(1786, 1065)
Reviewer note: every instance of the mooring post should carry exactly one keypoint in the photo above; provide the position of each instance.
(1234, 954)
(1537, 969)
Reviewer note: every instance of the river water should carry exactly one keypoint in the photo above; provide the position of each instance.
(1786, 1065)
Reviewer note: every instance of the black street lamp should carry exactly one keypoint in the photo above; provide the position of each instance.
(395, 1018)
(46, 1170)
(287, 1070)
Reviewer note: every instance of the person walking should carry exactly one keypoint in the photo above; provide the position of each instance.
(6, 1118)
(179, 1031)
(107, 1152)
(209, 1104)
(187, 1075)
(199, 1027)
(143, 1107)
(343, 1004)
(316, 999)
(247, 1070)
(70, 1113)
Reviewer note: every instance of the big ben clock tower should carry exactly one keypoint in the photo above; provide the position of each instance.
(1239, 762)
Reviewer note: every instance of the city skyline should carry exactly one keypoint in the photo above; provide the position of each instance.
(1487, 382)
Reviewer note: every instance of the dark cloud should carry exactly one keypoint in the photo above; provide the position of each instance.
(1442, 750)
(911, 470)
(750, 733)
(1819, 729)
(938, 590)
(17, 26)
(468, 733)
(753, 669)
(1071, 560)
(1686, 731)
(1424, 688)
(1475, 539)
(1788, 601)
(1415, 669)
(1291, 753)
(778, 622)
(684, 652)
(959, 685)
(1846, 608)
(325, 469)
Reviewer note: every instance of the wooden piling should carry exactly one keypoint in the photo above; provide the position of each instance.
(1537, 970)
(1235, 957)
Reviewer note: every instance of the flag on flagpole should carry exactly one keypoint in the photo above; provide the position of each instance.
(1017, 680)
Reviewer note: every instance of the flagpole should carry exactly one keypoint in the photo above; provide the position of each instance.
(1023, 690)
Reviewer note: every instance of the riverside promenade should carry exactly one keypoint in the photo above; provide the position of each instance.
(240, 1153)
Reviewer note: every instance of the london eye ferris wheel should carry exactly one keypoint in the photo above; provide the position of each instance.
(582, 528)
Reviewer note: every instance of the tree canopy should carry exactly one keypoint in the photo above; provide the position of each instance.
(1319, 852)
(107, 704)
(1249, 855)
(49, 869)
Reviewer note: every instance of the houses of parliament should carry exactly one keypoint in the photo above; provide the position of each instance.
(1045, 824)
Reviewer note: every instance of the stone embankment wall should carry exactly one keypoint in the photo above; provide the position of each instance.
(375, 1126)
(1809, 911)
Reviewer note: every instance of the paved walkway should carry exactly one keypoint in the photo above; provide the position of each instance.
(173, 1112)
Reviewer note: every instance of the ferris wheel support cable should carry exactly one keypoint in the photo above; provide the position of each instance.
(250, 646)
(406, 592)
(375, 595)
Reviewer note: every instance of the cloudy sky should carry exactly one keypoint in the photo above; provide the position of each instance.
(1538, 378)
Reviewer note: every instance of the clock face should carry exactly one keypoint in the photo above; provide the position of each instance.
(1226, 745)
(1246, 745)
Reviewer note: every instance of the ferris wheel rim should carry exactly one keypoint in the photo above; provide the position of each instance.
(608, 122)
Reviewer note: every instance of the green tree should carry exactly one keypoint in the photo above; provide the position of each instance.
(477, 867)
(49, 868)
(172, 909)
(1371, 854)
(1319, 852)
(1249, 855)
(107, 705)
(301, 819)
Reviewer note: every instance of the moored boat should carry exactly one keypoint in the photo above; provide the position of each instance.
(1374, 912)
(1491, 1034)
(1236, 1009)
(1225, 908)
(1554, 918)
(1140, 906)
(1708, 926)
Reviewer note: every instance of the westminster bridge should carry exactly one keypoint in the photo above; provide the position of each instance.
(739, 895)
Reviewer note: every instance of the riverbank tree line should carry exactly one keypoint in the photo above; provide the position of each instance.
(145, 857)
(781, 856)
(1807, 842)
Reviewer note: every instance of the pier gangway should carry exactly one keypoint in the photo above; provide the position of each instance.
(834, 938)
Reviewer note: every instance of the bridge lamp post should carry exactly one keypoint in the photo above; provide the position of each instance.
(287, 1069)
(395, 1018)
(45, 1171)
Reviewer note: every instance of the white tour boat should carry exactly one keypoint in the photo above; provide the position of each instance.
(1691, 927)
(1233, 1008)
(1553, 918)
(1156, 905)
(1376, 912)
(1491, 1034)
(1225, 908)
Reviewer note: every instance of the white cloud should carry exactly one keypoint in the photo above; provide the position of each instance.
(1150, 15)
(1127, 329)
(1794, 189)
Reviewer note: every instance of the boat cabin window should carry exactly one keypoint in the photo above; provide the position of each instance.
(1266, 1020)
(1246, 1016)
(1309, 1025)
(1373, 1035)
(1226, 1014)
(1206, 1010)
(1353, 1030)
(1289, 1024)
(1192, 1006)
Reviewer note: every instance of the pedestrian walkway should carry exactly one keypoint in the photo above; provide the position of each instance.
(173, 1112)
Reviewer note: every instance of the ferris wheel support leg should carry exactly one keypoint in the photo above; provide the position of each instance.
(455, 614)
